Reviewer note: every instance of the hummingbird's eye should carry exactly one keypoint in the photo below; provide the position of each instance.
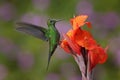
(51, 21)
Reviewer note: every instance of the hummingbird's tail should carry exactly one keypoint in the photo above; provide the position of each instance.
(49, 58)
(51, 51)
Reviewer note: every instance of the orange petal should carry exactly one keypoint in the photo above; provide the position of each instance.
(70, 33)
(78, 21)
(83, 38)
(65, 46)
(75, 48)
(88, 24)
(97, 55)
(93, 59)
(102, 55)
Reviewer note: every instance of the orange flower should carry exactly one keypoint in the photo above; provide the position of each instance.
(64, 44)
(77, 39)
(97, 55)
(79, 21)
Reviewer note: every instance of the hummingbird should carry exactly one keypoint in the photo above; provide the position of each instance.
(49, 34)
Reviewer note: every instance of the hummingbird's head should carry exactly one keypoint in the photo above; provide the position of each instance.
(52, 21)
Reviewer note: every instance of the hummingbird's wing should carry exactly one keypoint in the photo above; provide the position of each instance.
(36, 31)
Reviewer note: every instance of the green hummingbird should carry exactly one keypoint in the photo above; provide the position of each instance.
(51, 34)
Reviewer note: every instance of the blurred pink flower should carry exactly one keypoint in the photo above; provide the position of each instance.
(7, 11)
(75, 77)
(68, 69)
(12, 52)
(84, 7)
(61, 54)
(3, 72)
(117, 58)
(41, 4)
(114, 48)
(63, 26)
(25, 61)
(109, 20)
(52, 76)
(8, 48)
(31, 18)
(114, 44)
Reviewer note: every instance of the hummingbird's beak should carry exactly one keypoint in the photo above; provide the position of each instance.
(59, 20)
